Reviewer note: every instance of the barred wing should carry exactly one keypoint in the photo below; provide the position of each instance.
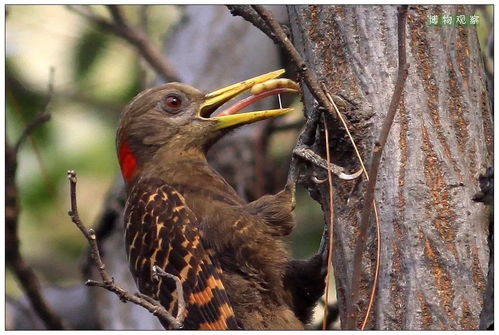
(161, 230)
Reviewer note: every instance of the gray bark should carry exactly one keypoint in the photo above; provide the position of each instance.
(434, 254)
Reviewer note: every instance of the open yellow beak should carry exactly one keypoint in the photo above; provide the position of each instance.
(229, 117)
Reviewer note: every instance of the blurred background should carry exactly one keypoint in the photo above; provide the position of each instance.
(95, 74)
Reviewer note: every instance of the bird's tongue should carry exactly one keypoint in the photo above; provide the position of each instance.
(240, 105)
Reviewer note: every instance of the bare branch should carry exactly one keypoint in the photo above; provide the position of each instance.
(343, 121)
(88, 233)
(107, 282)
(14, 259)
(179, 319)
(122, 28)
(249, 14)
(117, 15)
(37, 121)
(308, 77)
(331, 221)
(375, 162)
(282, 39)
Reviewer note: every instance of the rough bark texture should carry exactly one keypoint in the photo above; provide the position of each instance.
(434, 254)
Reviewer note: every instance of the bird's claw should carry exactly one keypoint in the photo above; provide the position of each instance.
(346, 176)
(309, 155)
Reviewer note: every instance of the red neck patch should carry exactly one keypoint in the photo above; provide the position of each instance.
(128, 161)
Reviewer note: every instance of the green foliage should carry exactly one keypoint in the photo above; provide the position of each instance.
(22, 104)
(80, 134)
(486, 13)
(308, 232)
(88, 51)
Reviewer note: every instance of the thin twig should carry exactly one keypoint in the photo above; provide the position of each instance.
(14, 259)
(377, 268)
(282, 39)
(122, 28)
(342, 119)
(376, 159)
(37, 121)
(331, 221)
(88, 233)
(107, 281)
(117, 15)
(179, 319)
(249, 14)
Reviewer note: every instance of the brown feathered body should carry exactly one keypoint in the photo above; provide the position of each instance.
(245, 239)
(184, 218)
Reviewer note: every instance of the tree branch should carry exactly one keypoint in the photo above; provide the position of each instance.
(37, 121)
(331, 222)
(122, 28)
(107, 282)
(283, 41)
(14, 259)
(308, 77)
(375, 162)
(249, 14)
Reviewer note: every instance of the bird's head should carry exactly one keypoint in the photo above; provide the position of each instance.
(179, 119)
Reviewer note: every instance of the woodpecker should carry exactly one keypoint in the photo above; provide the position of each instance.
(184, 218)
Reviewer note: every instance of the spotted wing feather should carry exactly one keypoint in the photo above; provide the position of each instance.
(161, 230)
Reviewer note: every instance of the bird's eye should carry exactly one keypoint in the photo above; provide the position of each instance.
(172, 103)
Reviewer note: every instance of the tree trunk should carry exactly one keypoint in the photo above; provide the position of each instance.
(434, 253)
